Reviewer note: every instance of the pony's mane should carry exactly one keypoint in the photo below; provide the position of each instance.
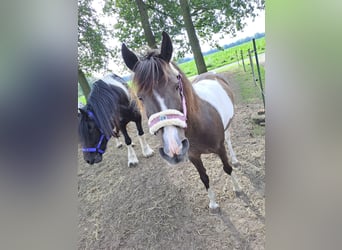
(83, 129)
(152, 70)
(104, 101)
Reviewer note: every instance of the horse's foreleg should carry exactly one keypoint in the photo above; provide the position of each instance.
(118, 143)
(229, 170)
(230, 147)
(196, 160)
(132, 158)
(145, 148)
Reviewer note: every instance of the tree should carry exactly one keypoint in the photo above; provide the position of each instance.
(93, 54)
(190, 29)
(201, 19)
(151, 41)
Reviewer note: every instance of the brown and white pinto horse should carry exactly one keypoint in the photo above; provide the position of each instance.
(191, 119)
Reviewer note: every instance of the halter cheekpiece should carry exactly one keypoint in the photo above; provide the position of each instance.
(170, 116)
(97, 149)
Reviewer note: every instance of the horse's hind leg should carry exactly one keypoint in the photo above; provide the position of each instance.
(231, 151)
(196, 160)
(145, 148)
(132, 157)
(229, 170)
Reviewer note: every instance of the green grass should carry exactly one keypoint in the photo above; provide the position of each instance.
(82, 99)
(224, 57)
(249, 92)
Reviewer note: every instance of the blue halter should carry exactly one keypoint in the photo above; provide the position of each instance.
(97, 149)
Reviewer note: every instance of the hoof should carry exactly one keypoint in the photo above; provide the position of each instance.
(215, 210)
(149, 153)
(236, 163)
(132, 164)
(119, 145)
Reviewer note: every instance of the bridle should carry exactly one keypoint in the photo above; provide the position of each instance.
(170, 116)
(96, 149)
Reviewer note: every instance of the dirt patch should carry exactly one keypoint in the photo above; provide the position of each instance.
(155, 206)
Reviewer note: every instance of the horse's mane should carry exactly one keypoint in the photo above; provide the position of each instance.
(105, 100)
(152, 69)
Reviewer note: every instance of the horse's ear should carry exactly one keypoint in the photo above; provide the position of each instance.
(129, 57)
(166, 47)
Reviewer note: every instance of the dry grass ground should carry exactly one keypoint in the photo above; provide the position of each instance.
(155, 206)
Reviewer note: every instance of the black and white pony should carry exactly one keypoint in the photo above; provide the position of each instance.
(109, 109)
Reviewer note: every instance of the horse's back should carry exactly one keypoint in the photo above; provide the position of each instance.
(116, 81)
(217, 95)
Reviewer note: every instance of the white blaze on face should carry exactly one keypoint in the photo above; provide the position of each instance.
(170, 136)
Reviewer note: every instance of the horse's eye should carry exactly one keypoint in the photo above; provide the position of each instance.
(140, 98)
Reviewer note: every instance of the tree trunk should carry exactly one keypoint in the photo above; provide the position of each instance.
(83, 83)
(194, 43)
(151, 41)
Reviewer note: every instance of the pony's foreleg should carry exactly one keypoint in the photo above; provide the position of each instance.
(118, 143)
(145, 148)
(132, 157)
(196, 160)
(230, 147)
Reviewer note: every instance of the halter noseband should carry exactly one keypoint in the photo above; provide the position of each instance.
(170, 116)
(97, 149)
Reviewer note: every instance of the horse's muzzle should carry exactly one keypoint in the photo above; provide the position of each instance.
(176, 158)
(94, 159)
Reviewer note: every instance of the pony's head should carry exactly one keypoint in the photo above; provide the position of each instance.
(93, 140)
(166, 94)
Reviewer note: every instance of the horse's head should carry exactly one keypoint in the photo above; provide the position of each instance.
(160, 88)
(93, 141)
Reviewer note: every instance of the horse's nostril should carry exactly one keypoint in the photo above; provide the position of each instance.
(185, 144)
(91, 162)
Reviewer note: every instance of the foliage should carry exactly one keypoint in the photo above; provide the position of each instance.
(93, 54)
(189, 68)
(209, 17)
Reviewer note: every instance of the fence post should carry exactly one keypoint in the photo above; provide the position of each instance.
(252, 66)
(258, 67)
(237, 57)
(243, 62)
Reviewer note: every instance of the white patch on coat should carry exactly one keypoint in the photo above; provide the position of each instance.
(132, 157)
(118, 143)
(212, 199)
(230, 147)
(236, 185)
(109, 80)
(212, 92)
